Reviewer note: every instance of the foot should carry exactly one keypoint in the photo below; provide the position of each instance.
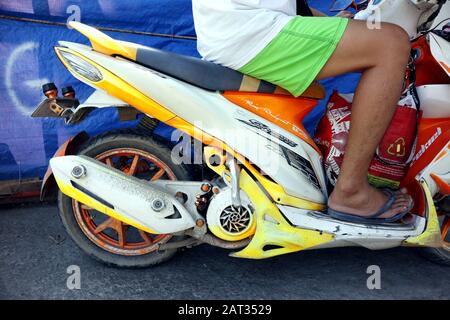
(366, 201)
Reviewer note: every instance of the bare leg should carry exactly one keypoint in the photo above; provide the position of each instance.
(381, 56)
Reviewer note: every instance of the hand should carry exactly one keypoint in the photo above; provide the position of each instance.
(345, 14)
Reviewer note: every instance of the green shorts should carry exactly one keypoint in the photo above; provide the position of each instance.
(294, 58)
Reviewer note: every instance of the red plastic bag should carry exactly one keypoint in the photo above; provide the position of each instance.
(390, 163)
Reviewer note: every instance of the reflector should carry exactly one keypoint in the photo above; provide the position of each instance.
(81, 67)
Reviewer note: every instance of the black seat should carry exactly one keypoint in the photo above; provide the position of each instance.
(200, 73)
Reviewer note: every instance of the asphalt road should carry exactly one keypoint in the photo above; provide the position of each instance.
(35, 253)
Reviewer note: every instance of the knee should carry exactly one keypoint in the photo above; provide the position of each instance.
(397, 43)
(401, 37)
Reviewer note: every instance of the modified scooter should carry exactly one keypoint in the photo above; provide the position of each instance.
(242, 172)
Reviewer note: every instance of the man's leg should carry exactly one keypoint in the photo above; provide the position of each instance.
(382, 56)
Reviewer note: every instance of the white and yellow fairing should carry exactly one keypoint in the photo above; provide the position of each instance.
(288, 190)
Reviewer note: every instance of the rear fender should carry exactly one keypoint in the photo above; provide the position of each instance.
(70, 147)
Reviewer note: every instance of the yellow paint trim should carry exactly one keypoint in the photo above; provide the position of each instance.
(431, 237)
(73, 193)
(280, 232)
(273, 189)
(277, 232)
(105, 44)
(120, 89)
(218, 232)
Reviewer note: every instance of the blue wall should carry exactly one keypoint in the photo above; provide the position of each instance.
(28, 61)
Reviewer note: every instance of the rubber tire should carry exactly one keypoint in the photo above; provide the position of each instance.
(94, 147)
(439, 256)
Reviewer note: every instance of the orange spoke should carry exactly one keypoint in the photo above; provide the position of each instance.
(158, 175)
(108, 162)
(145, 237)
(110, 233)
(133, 167)
(120, 229)
(105, 225)
(85, 207)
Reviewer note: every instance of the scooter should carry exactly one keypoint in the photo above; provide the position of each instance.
(242, 172)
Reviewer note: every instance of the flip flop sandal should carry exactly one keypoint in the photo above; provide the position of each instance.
(373, 219)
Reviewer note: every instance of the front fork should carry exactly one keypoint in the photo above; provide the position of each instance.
(435, 182)
(431, 236)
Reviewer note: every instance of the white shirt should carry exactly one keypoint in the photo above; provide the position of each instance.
(233, 32)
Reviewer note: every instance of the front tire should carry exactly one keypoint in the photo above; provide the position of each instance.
(109, 240)
(440, 255)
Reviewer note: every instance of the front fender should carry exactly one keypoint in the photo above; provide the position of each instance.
(431, 235)
(70, 147)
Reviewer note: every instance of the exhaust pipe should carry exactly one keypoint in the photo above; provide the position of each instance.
(146, 206)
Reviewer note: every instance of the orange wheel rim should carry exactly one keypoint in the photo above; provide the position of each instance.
(111, 234)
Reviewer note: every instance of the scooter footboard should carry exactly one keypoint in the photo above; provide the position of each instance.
(144, 205)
